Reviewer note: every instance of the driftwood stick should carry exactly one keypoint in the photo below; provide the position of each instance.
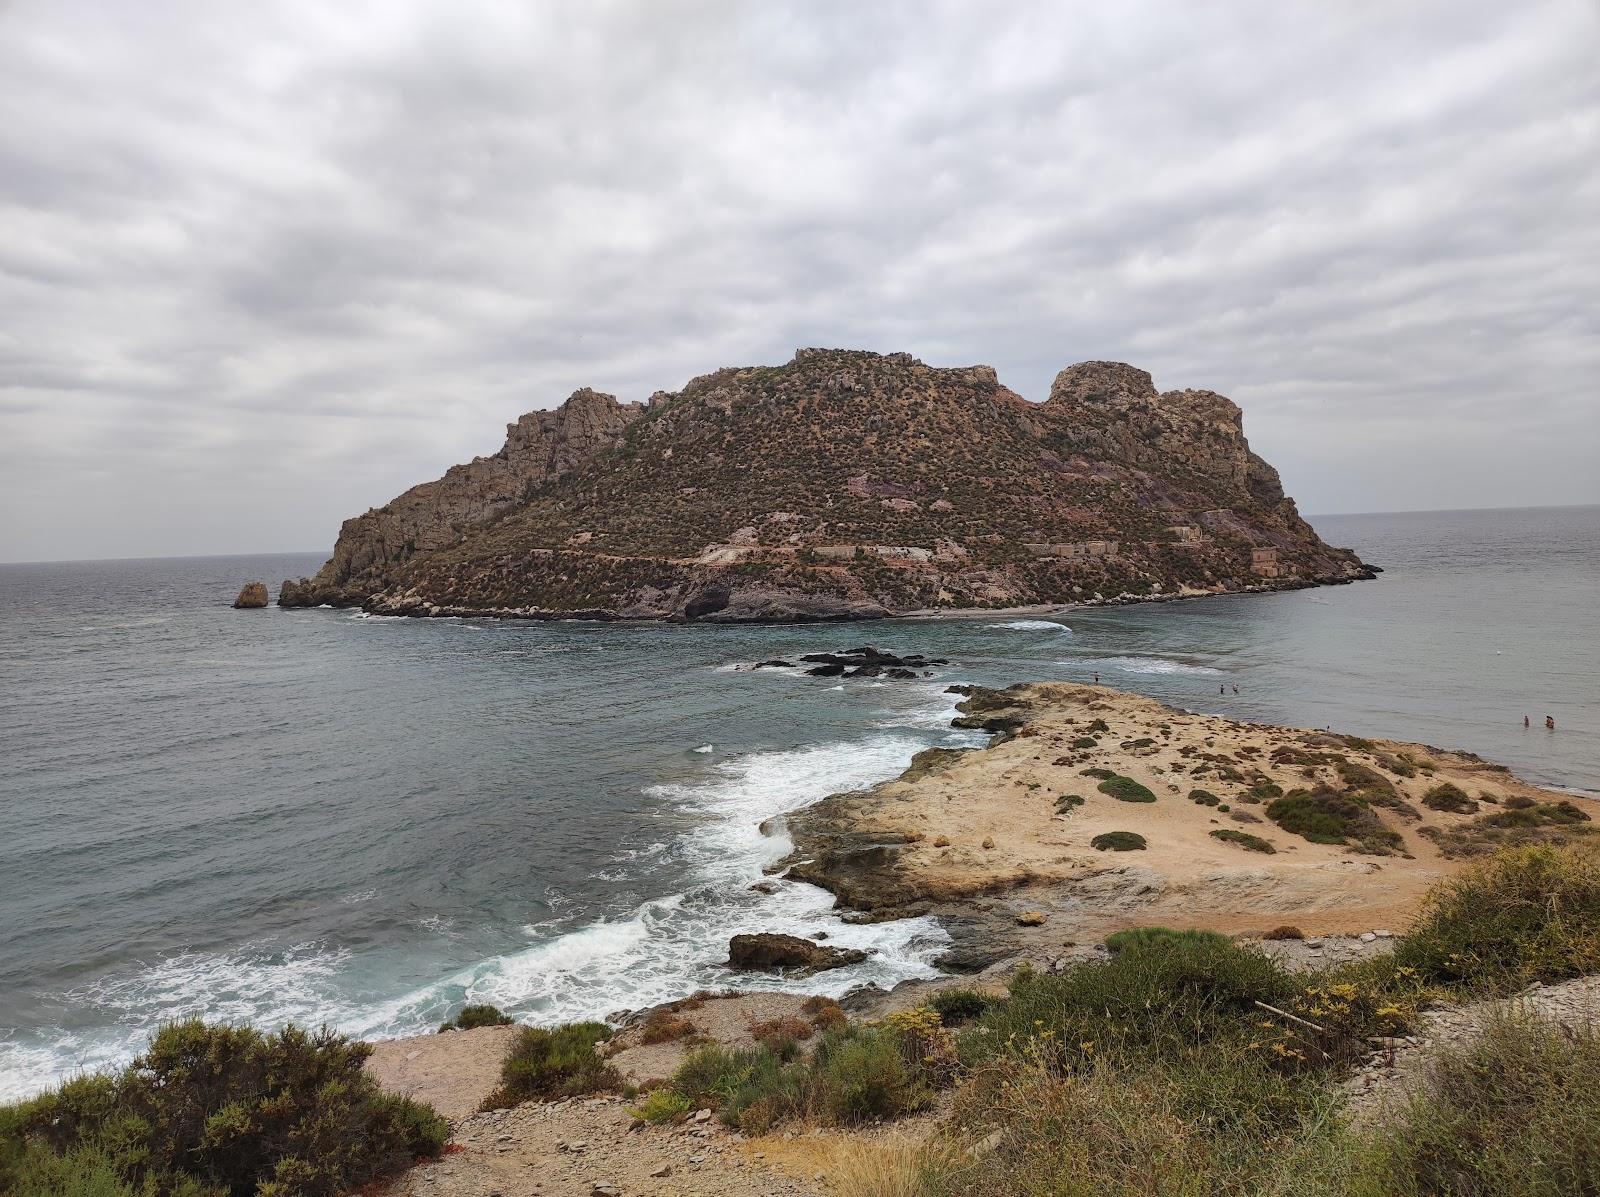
(1305, 1022)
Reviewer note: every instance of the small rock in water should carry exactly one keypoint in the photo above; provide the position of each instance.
(253, 595)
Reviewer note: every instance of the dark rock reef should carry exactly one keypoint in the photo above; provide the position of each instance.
(768, 952)
(841, 485)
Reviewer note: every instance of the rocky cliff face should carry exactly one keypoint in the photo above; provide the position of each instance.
(374, 549)
(842, 484)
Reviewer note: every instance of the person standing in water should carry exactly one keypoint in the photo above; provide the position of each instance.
(1097, 679)
(1525, 721)
(1550, 723)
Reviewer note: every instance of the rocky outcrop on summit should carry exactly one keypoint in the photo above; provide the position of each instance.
(840, 485)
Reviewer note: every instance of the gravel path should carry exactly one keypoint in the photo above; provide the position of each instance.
(592, 1147)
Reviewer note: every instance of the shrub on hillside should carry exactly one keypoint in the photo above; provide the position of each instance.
(1125, 789)
(1450, 798)
(554, 1062)
(1527, 914)
(959, 1005)
(1250, 843)
(1325, 816)
(1118, 841)
(218, 1110)
(1203, 797)
(482, 1015)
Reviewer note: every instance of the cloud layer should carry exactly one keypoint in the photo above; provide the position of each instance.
(264, 266)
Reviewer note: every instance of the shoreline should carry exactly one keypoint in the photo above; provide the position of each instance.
(979, 837)
(413, 606)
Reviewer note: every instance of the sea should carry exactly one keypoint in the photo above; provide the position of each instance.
(322, 817)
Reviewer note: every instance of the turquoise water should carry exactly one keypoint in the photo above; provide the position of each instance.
(318, 816)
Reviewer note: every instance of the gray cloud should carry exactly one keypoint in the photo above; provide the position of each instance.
(264, 266)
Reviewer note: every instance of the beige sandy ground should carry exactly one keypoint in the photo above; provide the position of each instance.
(987, 833)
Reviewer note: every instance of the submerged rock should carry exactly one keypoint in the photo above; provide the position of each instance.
(254, 594)
(768, 951)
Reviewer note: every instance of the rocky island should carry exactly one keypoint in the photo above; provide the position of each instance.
(843, 484)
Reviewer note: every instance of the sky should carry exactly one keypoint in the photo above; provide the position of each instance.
(263, 266)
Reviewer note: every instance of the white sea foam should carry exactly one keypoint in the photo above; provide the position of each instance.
(1156, 665)
(664, 948)
(1031, 625)
(706, 748)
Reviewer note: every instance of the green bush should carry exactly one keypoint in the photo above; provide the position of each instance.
(1096, 771)
(1066, 802)
(1085, 742)
(959, 1005)
(554, 1062)
(1451, 798)
(1250, 843)
(482, 1015)
(1125, 789)
(1325, 816)
(1160, 991)
(218, 1110)
(1264, 790)
(1524, 915)
(1118, 841)
(1204, 797)
(1096, 726)
(662, 1105)
(1140, 939)
(865, 1075)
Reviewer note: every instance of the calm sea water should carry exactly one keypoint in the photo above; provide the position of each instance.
(323, 817)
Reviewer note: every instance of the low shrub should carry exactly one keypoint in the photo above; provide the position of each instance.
(482, 1015)
(1096, 771)
(662, 1105)
(959, 1005)
(1203, 797)
(207, 1111)
(1450, 798)
(554, 1062)
(1125, 789)
(825, 1013)
(1368, 785)
(1085, 742)
(1161, 938)
(1096, 726)
(1285, 932)
(782, 1036)
(1118, 841)
(1264, 790)
(1066, 802)
(865, 1075)
(1250, 843)
(1526, 914)
(1325, 816)
(665, 1026)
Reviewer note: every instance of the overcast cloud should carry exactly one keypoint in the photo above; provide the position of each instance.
(263, 266)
